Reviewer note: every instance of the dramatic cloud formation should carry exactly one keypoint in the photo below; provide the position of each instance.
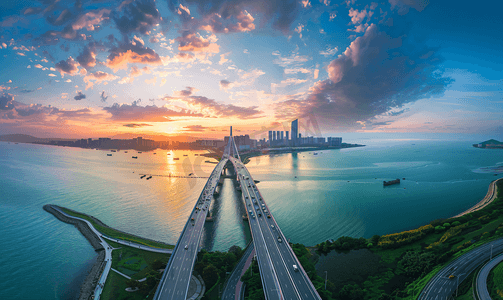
(148, 113)
(281, 12)
(119, 57)
(376, 73)
(138, 16)
(87, 59)
(68, 66)
(210, 107)
(193, 42)
(6, 102)
(79, 96)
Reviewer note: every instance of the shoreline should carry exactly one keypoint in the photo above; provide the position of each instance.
(488, 199)
(88, 286)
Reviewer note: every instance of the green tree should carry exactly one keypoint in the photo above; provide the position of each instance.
(157, 264)
(375, 239)
(210, 275)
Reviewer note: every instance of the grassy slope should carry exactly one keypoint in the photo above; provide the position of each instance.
(117, 234)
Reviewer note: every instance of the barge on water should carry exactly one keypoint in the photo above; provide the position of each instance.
(391, 182)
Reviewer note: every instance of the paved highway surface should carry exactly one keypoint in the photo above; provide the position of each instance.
(232, 290)
(441, 287)
(276, 259)
(176, 278)
(482, 291)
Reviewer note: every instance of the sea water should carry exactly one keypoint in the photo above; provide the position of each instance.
(313, 197)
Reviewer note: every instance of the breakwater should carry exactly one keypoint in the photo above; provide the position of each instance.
(89, 284)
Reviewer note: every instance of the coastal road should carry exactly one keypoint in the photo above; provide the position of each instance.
(482, 291)
(138, 246)
(272, 246)
(108, 254)
(176, 277)
(490, 196)
(441, 287)
(232, 290)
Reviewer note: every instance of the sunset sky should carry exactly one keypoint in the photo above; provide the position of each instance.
(80, 69)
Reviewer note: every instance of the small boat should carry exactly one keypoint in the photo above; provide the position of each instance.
(155, 153)
(176, 158)
(391, 182)
(139, 151)
(191, 174)
(135, 156)
(185, 155)
(109, 154)
(113, 150)
(125, 151)
(315, 153)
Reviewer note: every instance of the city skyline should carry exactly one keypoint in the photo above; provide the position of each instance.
(176, 68)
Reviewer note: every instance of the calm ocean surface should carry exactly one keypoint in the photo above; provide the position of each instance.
(312, 197)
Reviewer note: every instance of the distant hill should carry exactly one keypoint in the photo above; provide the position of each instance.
(24, 138)
(492, 143)
(19, 138)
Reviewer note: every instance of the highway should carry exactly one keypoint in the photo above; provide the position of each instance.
(232, 289)
(441, 287)
(176, 277)
(481, 281)
(276, 259)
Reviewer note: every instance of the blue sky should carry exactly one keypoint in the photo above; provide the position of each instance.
(117, 68)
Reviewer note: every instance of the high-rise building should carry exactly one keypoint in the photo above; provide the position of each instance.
(270, 137)
(282, 136)
(286, 134)
(274, 135)
(295, 132)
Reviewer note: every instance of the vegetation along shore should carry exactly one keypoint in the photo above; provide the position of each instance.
(391, 266)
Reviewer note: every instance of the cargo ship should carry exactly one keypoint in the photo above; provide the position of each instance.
(391, 182)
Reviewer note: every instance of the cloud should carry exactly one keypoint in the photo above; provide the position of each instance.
(329, 51)
(376, 74)
(6, 102)
(119, 57)
(404, 5)
(212, 108)
(196, 128)
(293, 59)
(140, 16)
(297, 70)
(87, 59)
(285, 83)
(223, 60)
(136, 125)
(90, 19)
(64, 16)
(225, 84)
(103, 97)
(68, 66)
(38, 66)
(357, 16)
(149, 113)
(98, 77)
(281, 13)
(241, 22)
(185, 93)
(79, 96)
(193, 42)
(134, 72)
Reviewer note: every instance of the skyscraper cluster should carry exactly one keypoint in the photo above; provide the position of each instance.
(277, 138)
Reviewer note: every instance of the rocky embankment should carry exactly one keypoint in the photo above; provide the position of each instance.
(89, 284)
